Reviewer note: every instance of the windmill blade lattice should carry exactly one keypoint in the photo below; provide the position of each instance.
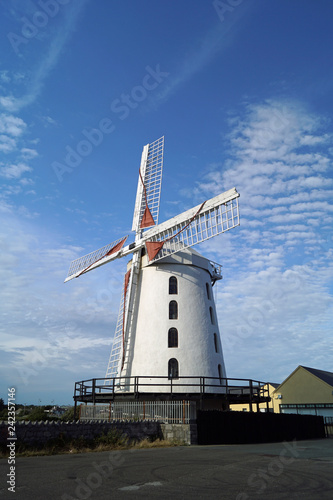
(199, 224)
(151, 177)
(85, 263)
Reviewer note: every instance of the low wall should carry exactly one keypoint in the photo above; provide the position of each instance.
(39, 433)
(180, 432)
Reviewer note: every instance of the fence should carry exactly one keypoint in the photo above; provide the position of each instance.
(169, 412)
(328, 421)
(98, 390)
(238, 427)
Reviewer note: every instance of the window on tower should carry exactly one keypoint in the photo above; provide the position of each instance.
(173, 370)
(173, 286)
(211, 312)
(208, 290)
(216, 343)
(220, 374)
(173, 310)
(173, 337)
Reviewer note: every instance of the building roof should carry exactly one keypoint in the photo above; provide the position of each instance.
(323, 375)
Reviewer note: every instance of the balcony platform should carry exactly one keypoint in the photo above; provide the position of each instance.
(207, 392)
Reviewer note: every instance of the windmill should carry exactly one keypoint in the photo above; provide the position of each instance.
(167, 324)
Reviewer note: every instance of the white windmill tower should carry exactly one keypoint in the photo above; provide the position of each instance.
(167, 324)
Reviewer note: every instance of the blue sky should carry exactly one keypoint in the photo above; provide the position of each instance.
(242, 92)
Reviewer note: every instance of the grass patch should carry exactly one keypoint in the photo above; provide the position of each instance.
(158, 443)
(113, 440)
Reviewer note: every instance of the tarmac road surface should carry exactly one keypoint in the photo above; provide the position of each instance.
(291, 470)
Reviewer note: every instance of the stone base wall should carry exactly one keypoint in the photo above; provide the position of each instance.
(180, 432)
(39, 433)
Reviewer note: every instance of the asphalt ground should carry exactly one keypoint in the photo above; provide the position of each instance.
(290, 470)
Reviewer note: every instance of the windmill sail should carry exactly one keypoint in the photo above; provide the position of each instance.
(149, 186)
(95, 259)
(196, 225)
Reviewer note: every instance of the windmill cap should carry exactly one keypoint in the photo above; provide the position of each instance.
(188, 256)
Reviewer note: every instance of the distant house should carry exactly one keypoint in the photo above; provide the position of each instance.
(305, 391)
(56, 411)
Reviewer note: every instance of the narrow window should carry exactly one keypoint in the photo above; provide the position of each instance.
(173, 286)
(173, 337)
(220, 374)
(173, 310)
(216, 343)
(173, 371)
(211, 316)
(208, 290)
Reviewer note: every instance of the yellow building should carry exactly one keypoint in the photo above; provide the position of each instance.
(306, 391)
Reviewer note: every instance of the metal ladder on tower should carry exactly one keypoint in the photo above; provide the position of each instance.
(125, 365)
(120, 353)
(116, 350)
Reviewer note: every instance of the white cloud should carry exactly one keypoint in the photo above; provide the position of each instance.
(8, 103)
(11, 125)
(273, 130)
(47, 120)
(4, 76)
(7, 144)
(14, 171)
(28, 153)
(26, 182)
(310, 140)
(11, 128)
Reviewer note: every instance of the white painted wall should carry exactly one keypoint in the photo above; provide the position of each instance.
(195, 353)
